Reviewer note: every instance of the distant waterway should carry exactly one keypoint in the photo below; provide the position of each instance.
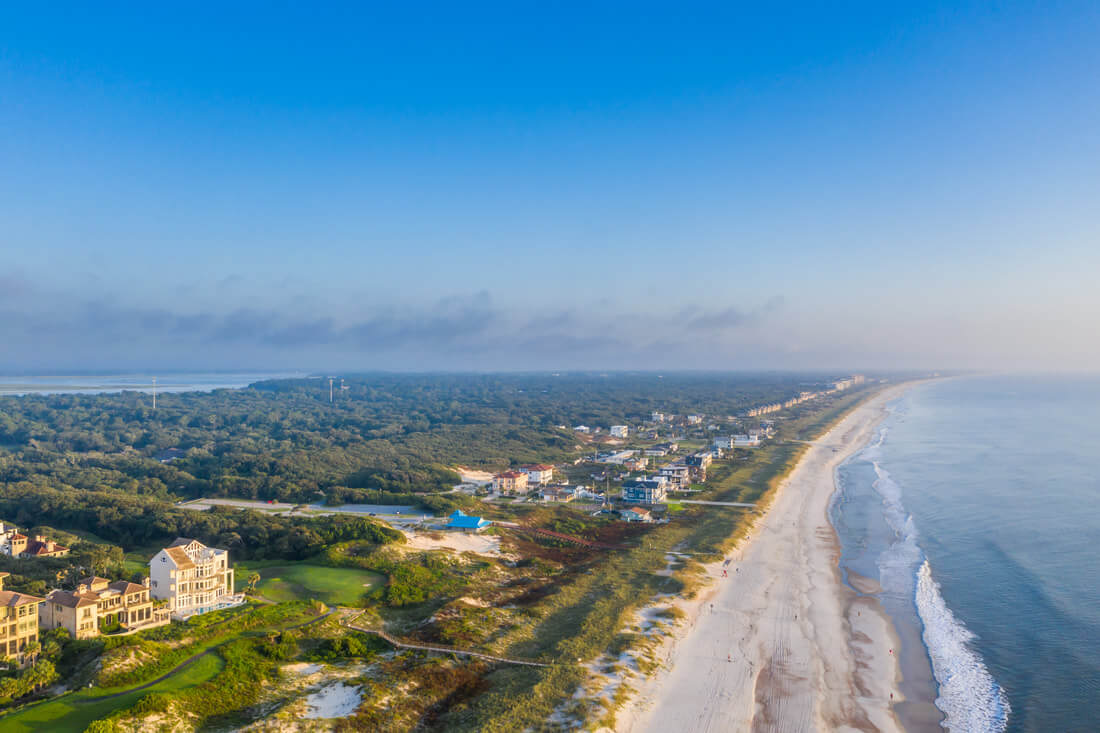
(15, 385)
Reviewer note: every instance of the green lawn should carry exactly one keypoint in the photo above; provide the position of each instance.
(302, 581)
(75, 711)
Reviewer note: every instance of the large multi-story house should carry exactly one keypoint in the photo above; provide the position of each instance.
(97, 601)
(15, 544)
(193, 578)
(697, 463)
(620, 431)
(645, 490)
(678, 475)
(42, 547)
(18, 622)
(510, 482)
(538, 474)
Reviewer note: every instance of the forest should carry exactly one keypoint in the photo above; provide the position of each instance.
(112, 466)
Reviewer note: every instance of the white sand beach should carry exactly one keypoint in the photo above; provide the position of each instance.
(781, 644)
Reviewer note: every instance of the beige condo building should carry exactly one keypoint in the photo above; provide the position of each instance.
(97, 601)
(18, 622)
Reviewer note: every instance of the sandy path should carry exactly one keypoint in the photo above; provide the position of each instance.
(455, 541)
(781, 644)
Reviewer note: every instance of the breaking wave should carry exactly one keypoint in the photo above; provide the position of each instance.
(969, 696)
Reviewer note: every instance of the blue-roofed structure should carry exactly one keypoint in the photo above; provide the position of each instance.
(466, 523)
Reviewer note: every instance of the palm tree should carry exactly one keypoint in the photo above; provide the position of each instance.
(253, 579)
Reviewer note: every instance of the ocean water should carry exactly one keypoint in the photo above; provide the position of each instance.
(977, 510)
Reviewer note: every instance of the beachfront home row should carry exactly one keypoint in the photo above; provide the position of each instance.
(192, 578)
(97, 602)
(843, 384)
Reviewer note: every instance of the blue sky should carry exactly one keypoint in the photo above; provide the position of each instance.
(550, 185)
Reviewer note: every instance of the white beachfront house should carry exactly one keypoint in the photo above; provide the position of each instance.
(193, 578)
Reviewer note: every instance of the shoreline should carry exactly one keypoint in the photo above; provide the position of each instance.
(783, 643)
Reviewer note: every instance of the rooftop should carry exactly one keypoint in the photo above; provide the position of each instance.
(461, 520)
(11, 598)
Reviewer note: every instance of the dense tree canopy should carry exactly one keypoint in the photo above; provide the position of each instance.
(112, 466)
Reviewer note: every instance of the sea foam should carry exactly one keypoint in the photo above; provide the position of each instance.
(969, 696)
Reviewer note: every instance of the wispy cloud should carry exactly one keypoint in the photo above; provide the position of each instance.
(472, 327)
(14, 285)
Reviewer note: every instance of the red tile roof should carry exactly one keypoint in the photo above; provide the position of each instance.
(37, 549)
(11, 598)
